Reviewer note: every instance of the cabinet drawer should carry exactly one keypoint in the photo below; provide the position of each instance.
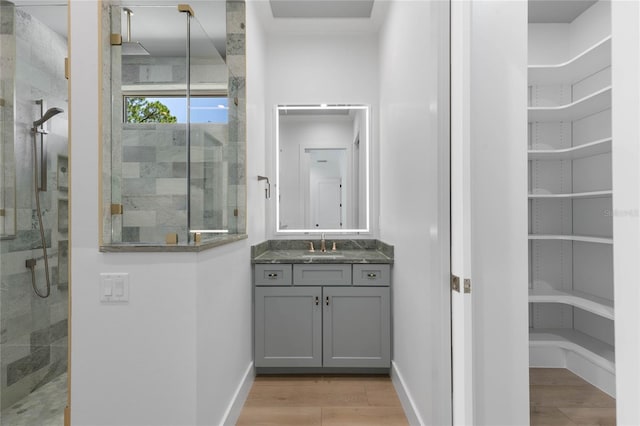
(321, 274)
(277, 274)
(371, 275)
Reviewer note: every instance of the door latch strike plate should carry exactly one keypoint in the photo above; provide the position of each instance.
(467, 285)
(455, 283)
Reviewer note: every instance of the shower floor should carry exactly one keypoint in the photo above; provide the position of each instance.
(44, 407)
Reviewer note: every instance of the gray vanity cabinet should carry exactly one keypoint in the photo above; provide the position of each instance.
(343, 323)
(288, 330)
(356, 327)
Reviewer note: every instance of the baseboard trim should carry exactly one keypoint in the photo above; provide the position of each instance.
(592, 371)
(239, 397)
(404, 395)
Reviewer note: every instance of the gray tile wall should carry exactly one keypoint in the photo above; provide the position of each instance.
(236, 61)
(33, 331)
(154, 184)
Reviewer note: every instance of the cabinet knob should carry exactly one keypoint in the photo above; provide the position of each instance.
(372, 275)
(317, 300)
(272, 275)
(326, 301)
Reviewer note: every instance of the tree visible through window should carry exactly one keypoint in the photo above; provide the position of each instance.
(173, 109)
(142, 110)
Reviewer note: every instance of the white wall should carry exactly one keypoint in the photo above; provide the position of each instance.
(322, 68)
(498, 130)
(414, 204)
(225, 309)
(626, 206)
(181, 347)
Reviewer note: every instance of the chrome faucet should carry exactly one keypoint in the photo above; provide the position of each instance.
(323, 247)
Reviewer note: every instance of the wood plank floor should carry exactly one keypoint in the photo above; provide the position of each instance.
(559, 397)
(322, 400)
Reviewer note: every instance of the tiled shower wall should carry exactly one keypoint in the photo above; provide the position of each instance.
(33, 331)
(237, 64)
(154, 185)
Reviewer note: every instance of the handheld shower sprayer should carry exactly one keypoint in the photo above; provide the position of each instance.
(31, 263)
(46, 117)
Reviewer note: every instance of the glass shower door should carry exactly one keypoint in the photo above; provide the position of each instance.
(33, 297)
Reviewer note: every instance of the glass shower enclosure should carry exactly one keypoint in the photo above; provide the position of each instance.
(34, 212)
(173, 159)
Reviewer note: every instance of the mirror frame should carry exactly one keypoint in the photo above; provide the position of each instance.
(367, 145)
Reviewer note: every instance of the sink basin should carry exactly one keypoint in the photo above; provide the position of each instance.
(323, 256)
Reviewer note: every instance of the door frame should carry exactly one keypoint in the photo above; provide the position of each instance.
(461, 307)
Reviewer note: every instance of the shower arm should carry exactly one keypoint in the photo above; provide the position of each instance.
(128, 12)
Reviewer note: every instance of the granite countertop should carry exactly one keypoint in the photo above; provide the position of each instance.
(172, 248)
(297, 251)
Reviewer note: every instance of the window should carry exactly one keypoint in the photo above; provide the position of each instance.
(173, 109)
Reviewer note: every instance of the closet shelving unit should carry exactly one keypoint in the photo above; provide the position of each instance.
(590, 149)
(588, 194)
(558, 212)
(574, 111)
(560, 237)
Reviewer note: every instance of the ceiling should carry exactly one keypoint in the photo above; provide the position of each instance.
(321, 8)
(161, 29)
(337, 16)
(557, 11)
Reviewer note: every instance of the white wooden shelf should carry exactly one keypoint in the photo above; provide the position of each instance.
(583, 238)
(594, 304)
(573, 195)
(592, 60)
(596, 351)
(590, 149)
(591, 104)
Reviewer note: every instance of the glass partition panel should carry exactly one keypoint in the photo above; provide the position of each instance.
(173, 157)
(148, 158)
(213, 159)
(7, 157)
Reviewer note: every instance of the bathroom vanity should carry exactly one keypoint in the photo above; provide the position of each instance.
(322, 311)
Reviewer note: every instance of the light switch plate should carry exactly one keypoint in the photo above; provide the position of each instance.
(114, 287)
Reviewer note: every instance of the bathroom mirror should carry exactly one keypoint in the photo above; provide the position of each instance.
(322, 166)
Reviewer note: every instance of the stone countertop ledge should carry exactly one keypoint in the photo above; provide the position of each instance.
(297, 251)
(171, 248)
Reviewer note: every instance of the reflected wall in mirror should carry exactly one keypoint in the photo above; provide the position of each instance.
(174, 138)
(322, 168)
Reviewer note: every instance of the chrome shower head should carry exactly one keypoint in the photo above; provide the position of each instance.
(47, 116)
(132, 48)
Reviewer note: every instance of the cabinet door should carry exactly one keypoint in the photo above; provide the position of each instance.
(356, 324)
(288, 327)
